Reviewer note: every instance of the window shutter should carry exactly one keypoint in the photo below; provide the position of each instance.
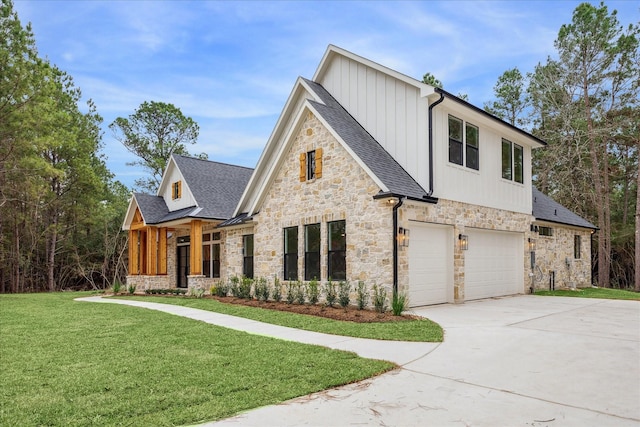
(318, 162)
(303, 167)
(179, 189)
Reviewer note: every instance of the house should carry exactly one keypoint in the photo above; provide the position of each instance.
(368, 175)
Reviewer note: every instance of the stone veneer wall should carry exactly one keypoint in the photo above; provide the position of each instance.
(552, 253)
(149, 282)
(344, 192)
(231, 252)
(460, 216)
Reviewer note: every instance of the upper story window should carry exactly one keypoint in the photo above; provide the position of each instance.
(545, 231)
(463, 143)
(311, 165)
(176, 192)
(512, 161)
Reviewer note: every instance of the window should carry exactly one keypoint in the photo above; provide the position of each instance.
(512, 161)
(337, 257)
(247, 249)
(291, 253)
(577, 246)
(545, 231)
(312, 252)
(176, 190)
(472, 145)
(211, 255)
(467, 141)
(455, 140)
(311, 165)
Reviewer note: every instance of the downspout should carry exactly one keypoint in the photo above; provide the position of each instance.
(431, 141)
(395, 245)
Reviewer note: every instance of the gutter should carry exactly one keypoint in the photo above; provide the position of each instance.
(395, 245)
(431, 141)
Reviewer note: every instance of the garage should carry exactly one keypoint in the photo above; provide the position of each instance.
(430, 258)
(493, 264)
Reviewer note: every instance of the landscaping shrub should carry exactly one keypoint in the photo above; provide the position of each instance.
(313, 292)
(330, 293)
(291, 294)
(221, 290)
(299, 293)
(197, 292)
(379, 298)
(245, 288)
(277, 290)
(235, 286)
(261, 289)
(363, 295)
(132, 289)
(399, 303)
(344, 289)
(148, 291)
(117, 286)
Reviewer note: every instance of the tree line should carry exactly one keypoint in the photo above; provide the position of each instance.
(60, 208)
(584, 102)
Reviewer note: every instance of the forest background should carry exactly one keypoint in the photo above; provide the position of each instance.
(61, 209)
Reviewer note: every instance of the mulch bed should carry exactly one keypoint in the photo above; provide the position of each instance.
(350, 314)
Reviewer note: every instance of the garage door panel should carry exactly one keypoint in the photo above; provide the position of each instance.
(430, 259)
(493, 264)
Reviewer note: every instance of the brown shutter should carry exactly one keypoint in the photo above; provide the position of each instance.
(303, 167)
(179, 189)
(318, 162)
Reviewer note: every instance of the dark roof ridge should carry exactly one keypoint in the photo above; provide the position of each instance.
(212, 161)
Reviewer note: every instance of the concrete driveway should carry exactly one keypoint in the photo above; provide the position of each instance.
(515, 361)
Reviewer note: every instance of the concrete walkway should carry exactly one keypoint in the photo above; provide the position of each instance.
(518, 361)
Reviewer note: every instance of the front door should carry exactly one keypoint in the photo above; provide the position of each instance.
(183, 265)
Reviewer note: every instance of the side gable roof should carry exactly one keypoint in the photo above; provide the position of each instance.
(547, 209)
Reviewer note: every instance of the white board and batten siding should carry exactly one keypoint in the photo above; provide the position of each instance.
(484, 187)
(493, 264)
(391, 110)
(186, 200)
(430, 256)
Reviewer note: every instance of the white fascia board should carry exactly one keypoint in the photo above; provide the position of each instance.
(131, 210)
(270, 147)
(425, 89)
(344, 145)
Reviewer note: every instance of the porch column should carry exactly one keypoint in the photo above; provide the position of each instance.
(134, 266)
(162, 251)
(152, 251)
(196, 248)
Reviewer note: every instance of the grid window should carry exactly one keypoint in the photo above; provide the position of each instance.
(312, 252)
(577, 246)
(337, 256)
(455, 140)
(472, 145)
(311, 165)
(291, 253)
(247, 265)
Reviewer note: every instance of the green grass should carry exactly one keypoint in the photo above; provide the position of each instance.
(78, 364)
(604, 293)
(423, 330)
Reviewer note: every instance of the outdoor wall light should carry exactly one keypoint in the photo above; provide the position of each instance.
(403, 237)
(532, 244)
(464, 241)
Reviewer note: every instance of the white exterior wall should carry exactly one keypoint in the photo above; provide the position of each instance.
(484, 187)
(392, 111)
(186, 200)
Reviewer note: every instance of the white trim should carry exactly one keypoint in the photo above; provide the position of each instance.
(131, 210)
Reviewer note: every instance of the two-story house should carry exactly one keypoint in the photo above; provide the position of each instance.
(368, 175)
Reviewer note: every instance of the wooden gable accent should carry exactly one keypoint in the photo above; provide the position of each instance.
(137, 222)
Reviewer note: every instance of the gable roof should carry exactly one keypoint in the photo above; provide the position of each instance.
(547, 209)
(394, 177)
(216, 187)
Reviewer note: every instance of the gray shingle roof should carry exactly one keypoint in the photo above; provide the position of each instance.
(372, 154)
(152, 208)
(547, 209)
(217, 187)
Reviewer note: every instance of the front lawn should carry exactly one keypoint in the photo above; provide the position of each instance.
(423, 330)
(603, 293)
(76, 364)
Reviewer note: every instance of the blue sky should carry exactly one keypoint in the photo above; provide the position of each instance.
(231, 65)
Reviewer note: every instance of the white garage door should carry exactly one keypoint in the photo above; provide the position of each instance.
(430, 264)
(493, 264)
